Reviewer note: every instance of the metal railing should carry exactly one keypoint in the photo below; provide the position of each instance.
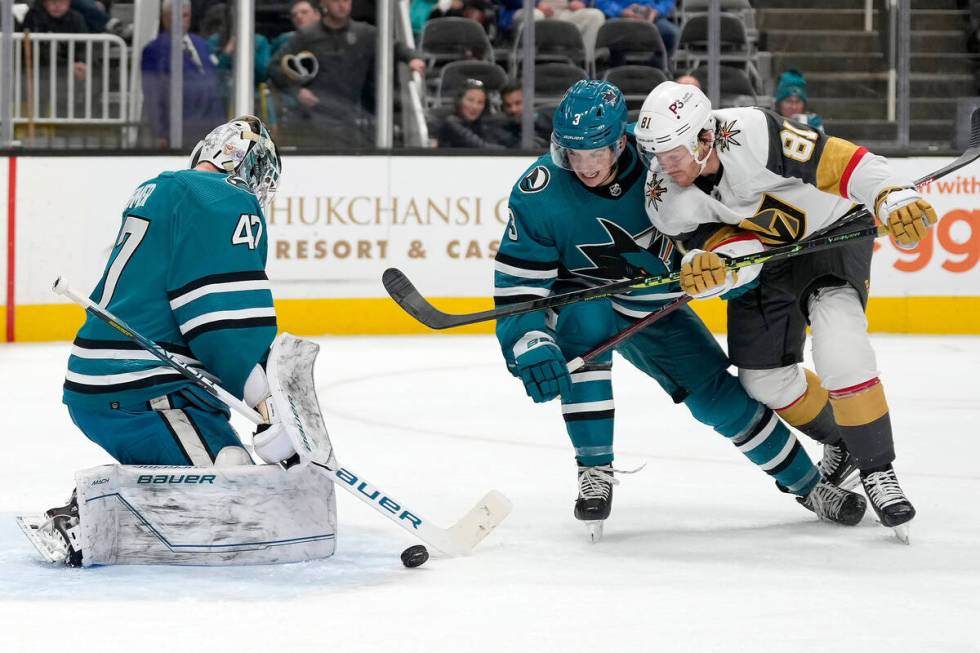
(49, 89)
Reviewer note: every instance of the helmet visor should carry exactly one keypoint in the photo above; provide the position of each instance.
(563, 156)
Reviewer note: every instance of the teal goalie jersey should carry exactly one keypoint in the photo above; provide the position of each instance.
(187, 270)
(563, 236)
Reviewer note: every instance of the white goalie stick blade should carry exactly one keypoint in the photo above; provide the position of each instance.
(290, 372)
(51, 549)
(474, 526)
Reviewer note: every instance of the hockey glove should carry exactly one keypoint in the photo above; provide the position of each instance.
(703, 274)
(906, 214)
(541, 366)
(271, 441)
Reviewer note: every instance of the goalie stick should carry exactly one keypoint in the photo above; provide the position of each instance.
(458, 539)
(406, 295)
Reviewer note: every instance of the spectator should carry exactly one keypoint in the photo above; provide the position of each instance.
(790, 98)
(688, 79)
(57, 17)
(202, 105)
(479, 11)
(587, 19)
(509, 123)
(329, 69)
(216, 27)
(466, 126)
(302, 14)
(651, 11)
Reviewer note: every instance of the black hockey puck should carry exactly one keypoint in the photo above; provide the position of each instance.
(414, 556)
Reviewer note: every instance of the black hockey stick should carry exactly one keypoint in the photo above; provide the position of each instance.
(411, 300)
(579, 361)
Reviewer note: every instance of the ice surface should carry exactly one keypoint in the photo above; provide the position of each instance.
(702, 553)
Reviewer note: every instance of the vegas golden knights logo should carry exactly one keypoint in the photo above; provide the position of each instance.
(776, 222)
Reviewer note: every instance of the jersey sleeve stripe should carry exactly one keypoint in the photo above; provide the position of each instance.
(246, 323)
(125, 354)
(228, 286)
(89, 343)
(845, 180)
(837, 162)
(240, 315)
(525, 273)
(521, 290)
(211, 279)
(525, 264)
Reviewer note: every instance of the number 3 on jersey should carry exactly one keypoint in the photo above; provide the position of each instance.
(248, 232)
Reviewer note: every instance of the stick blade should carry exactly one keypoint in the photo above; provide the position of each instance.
(475, 525)
(406, 295)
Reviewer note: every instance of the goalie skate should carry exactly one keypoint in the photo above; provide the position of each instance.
(55, 534)
(50, 546)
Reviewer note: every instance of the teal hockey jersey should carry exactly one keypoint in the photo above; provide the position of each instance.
(562, 236)
(187, 271)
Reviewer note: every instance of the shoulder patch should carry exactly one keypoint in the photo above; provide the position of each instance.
(728, 135)
(535, 181)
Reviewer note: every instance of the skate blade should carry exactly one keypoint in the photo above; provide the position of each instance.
(851, 481)
(31, 527)
(902, 533)
(595, 530)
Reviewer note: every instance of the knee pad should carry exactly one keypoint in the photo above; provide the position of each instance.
(581, 326)
(777, 387)
(842, 352)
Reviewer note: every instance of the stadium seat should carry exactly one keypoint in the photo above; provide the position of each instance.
(622, 41)
(452, 39)
(551, 80)
(736, 87)
(454, 75)
(555, 41)
(635, 82)
(734, 46)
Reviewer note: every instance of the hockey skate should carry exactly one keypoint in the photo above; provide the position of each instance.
(832, 503)
(837, 466)
(55, 533)
(894, 510)
(595, 493)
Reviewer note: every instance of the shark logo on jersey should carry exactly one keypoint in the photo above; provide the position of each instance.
(624, 256)
(655, 190)
(776, 222)
(726, 136)
(535, 181)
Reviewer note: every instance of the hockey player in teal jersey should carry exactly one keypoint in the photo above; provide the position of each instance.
(577, 218)
(187, 271)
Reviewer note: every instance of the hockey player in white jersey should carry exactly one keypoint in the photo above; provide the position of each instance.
(188, 271)
(728, 182)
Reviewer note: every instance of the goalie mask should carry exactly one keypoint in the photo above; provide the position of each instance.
(243, 148)
(673, 115)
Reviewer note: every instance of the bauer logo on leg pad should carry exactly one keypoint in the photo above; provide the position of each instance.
(385, 502)
(193, 479)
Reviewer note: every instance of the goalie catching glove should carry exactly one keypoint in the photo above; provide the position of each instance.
(541, 366)
(704, 272)
(905, 213)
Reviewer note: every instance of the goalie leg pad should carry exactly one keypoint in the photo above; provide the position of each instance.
(255, 514)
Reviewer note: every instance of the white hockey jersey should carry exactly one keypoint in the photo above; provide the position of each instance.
(779, 179)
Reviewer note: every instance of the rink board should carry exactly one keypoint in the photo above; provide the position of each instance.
(338, 222)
